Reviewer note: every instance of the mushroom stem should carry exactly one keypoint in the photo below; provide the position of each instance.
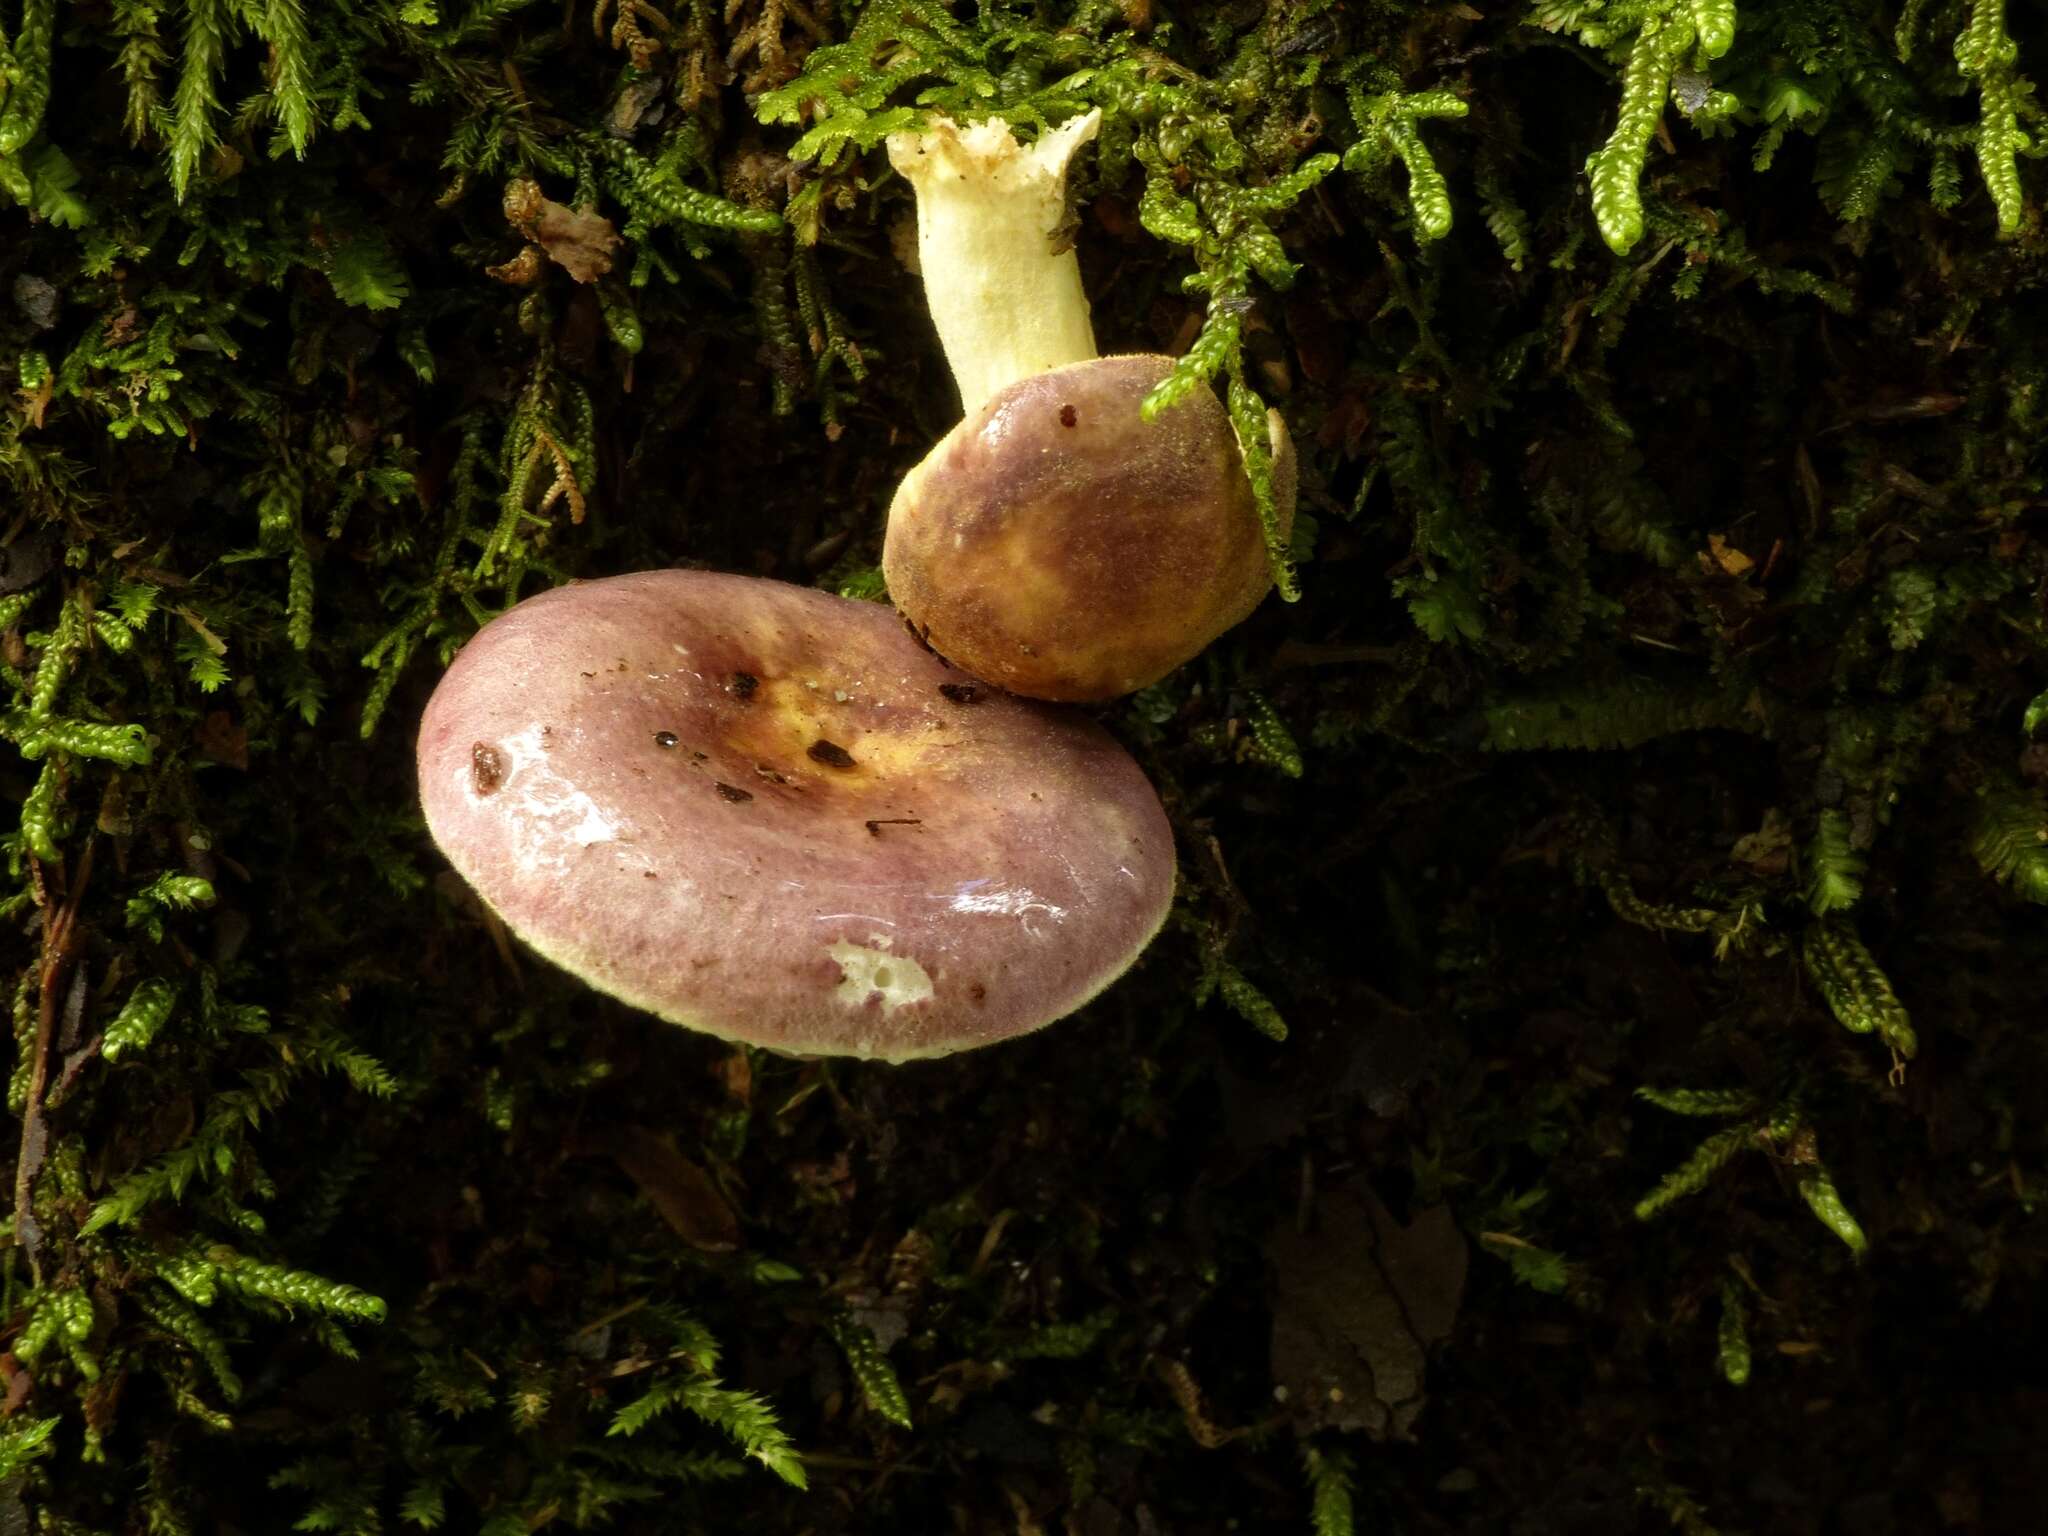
(1004, 292)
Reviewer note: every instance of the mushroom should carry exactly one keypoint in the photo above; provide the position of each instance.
(765, 812)
(1054, 542)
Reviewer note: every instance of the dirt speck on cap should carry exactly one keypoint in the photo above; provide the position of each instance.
(830, 753)
(486, 768)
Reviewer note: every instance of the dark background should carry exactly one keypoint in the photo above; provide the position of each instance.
(1539, 720)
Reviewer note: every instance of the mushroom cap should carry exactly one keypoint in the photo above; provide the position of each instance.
(1058, 545)
(767, 813)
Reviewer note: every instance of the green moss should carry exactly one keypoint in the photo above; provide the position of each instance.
(1667, 593)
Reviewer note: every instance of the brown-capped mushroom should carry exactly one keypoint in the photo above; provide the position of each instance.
(767, 813)
(1055, 542)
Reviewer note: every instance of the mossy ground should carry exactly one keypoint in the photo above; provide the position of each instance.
(1663, 692)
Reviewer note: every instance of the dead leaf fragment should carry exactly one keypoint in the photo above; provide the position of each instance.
(213, 642)
(1914, 409)
(638, 99)
(1768, 850)
(523, 270)
(1357, 1302)
(19, 1382)
(579, 240)
(34, 402)
(223, 739)
(1725, 555)
(676, 1187)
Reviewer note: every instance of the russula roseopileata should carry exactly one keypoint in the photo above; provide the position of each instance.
(766, 813)
(1054, 542)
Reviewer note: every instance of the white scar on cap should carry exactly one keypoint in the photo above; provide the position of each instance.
(864, 972)
(553, 813)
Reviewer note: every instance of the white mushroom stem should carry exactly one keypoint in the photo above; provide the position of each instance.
(1007, 303)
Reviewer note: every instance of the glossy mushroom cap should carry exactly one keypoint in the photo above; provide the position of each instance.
(767, 813)
(1060, 547)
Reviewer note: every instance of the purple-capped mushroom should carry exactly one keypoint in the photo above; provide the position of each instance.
(765, 812)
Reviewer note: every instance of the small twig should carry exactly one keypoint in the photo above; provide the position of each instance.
(610, 1317)
(1205, 1432)
(480, 1363)
(59, 934)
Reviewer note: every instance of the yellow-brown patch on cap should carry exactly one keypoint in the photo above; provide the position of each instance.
(1057, 545)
